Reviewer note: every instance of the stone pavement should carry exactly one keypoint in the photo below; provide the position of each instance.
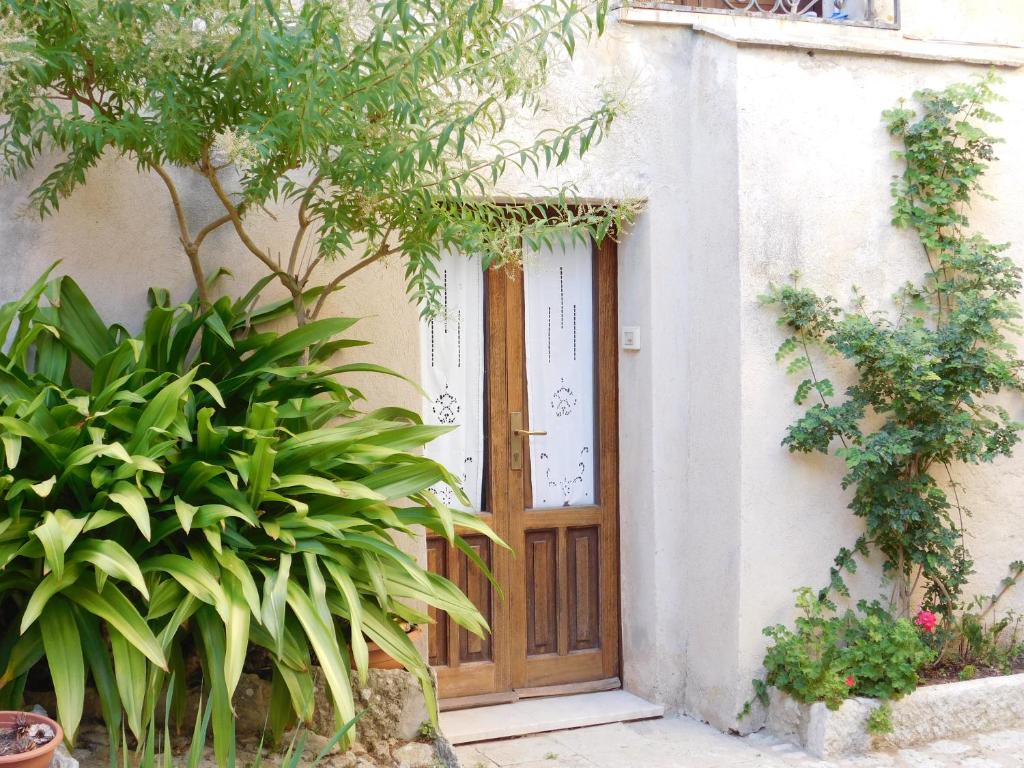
(684, 743)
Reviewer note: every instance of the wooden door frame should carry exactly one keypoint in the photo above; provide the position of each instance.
(506, 677)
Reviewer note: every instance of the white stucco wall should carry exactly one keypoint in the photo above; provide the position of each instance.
(819, 204)
(756, 159)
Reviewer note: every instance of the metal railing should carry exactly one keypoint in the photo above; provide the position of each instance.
(881, 12)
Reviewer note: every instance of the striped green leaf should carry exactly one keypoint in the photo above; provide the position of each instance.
(63, 647)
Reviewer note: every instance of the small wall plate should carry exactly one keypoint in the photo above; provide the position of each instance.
(631, 338)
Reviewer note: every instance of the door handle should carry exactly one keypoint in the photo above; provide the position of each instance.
(519, 432)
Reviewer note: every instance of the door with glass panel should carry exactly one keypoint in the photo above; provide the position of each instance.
(525, 365)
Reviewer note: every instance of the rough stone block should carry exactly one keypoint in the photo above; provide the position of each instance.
(929, 714)
(415, 754)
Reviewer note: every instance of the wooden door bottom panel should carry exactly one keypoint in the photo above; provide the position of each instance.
(575, 667)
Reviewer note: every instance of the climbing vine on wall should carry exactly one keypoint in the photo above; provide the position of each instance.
(925, 372)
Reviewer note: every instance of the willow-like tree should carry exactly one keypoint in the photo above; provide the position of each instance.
(380, 121)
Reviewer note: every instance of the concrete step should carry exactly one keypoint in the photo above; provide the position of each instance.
(529, 716)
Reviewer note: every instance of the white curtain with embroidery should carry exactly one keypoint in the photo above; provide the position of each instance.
(558, 285)
(452, 351)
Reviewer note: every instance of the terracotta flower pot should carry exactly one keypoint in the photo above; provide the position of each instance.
(36, 758)
(380, 660)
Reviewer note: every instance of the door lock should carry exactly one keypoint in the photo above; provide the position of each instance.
(519, 431)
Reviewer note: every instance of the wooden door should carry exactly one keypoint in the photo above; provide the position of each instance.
(552, 497)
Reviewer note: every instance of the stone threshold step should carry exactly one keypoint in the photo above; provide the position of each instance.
(556, 713)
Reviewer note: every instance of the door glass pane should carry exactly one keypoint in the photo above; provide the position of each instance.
(452, 351)
(558, 289)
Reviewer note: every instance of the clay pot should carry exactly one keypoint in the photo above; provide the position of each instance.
(36, 758)
(380, 660)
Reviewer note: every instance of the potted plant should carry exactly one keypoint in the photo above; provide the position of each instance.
(381, 659)
(28, 740)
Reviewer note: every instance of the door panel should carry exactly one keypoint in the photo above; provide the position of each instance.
(551, 368)
(541, 553)
(476, 587)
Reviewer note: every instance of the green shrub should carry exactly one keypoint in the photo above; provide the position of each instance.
(829, 658)
(880, 719)
(976, 636)
(883, 654)
(204, 487)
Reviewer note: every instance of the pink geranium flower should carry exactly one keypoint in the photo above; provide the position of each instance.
(850, 682)
(926, 620)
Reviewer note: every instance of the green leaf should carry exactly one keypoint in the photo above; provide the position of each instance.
(211, 631)
(56, 533)
(80, 326)
(325, 645)
(275, 592)
(27, 650)
(130, 499)
(30, 298)
(230, 562)
(111, 558)
(186, 513)
(192, 575)
(12, 449)
(47, 588)
(161, 411)
(130, 674)
(354, 603)
(114, 608)
(98, 658)
(198, 743)
(237, 632)
(43, 488)
(63, 647)
(293, 343)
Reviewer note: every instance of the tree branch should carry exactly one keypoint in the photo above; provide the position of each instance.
(236, 219)
(179, 210)
(304, 222)
(382, 251)
(215, 224)
(191, 248)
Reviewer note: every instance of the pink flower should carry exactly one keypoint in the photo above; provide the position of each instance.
(926, 620)
(850, 682)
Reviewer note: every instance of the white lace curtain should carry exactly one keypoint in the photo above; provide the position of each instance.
(558, 285)
(452, 351)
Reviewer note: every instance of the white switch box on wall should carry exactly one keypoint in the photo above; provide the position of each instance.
(631, 338)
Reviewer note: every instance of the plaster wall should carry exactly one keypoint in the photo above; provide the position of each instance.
(994, 21)
(814, 187)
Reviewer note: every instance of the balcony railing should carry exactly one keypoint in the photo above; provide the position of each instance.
(876, 12)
